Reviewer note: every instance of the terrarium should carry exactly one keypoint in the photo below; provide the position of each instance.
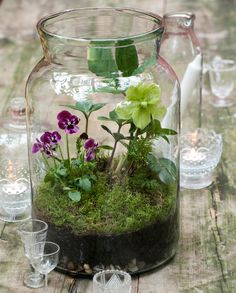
(104, 169)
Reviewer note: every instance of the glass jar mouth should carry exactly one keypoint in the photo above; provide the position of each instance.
(182, 15)
(84, 31)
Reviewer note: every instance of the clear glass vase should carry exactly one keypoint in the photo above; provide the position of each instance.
(181, 48)
(108, 110)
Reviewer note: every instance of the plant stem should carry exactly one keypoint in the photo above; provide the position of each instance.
(114, 148)
(45, 160)
(60, 150)
(54, 160)
(67, 147)
(86, 123)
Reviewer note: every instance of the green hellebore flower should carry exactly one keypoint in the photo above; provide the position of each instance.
(142, 103)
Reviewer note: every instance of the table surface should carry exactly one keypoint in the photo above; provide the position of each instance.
(206, 257)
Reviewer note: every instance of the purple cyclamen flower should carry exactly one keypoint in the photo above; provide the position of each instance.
(90, 147)
(68, 122)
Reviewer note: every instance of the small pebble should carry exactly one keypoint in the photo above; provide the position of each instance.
(87, 269)
(71, 266)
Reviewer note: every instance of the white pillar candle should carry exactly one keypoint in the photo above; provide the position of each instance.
(192, 74)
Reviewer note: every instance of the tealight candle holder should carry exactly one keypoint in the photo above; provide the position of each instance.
(112, 281)
(200, 152)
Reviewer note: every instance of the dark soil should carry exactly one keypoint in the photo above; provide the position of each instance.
(134, 252)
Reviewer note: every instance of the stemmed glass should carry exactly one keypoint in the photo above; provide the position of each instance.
(44, 257)
(32, 231)
(222, 79)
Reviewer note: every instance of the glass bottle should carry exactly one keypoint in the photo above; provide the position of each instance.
(181, 48)
(15, 196)
(107, 109)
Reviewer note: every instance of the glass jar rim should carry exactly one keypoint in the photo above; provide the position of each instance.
(185, 14)
(157, 20)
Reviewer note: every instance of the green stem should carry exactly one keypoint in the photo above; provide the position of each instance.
(67, 147)
(86, 123)
(114, 148)
(54, 160)
(45, 160)
(60, 150)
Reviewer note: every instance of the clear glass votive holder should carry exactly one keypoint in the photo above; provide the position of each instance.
(200, 152)
(112, 281)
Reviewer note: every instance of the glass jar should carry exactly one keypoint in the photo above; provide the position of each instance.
(181, 48)
(15, 195)
(108, 109)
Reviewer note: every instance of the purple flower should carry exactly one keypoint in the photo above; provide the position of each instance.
(90, 143)
(90, 147)
(48, 150)
(47, 143)
(68, 122)
(37, 146)
(51, 138)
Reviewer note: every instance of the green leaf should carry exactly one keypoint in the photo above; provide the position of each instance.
(146, 64)
(75, 163)
(85, 184)
(165, 138)
(113, 115)
(75, 195)
(154, 129)
(118, 136)
(109, 89)
(107, 129)
(126, 57)
(83, 107)
(106, 147)
(97, 106)
(168, 173)
(49, 178)
(103, 118)
(100, 59)
(152, 163)
(93, 177)
(62, 171)
(165, 168)
(167, 131)
(124, 144)
(86, 107)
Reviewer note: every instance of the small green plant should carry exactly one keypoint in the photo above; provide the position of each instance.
(78, 175)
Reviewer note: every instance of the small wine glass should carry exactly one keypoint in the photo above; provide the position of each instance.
(44, 257)
(32, 231)
(222, 79)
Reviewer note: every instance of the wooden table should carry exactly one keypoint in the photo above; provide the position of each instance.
(206, 258)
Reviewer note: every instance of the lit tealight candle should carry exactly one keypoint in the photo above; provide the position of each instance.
(195, 155)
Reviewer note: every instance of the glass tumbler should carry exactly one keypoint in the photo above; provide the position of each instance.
(112, 281)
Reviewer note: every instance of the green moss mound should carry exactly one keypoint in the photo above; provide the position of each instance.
(123, 207)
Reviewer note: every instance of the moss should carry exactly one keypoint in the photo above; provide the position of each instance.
(126, 206)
